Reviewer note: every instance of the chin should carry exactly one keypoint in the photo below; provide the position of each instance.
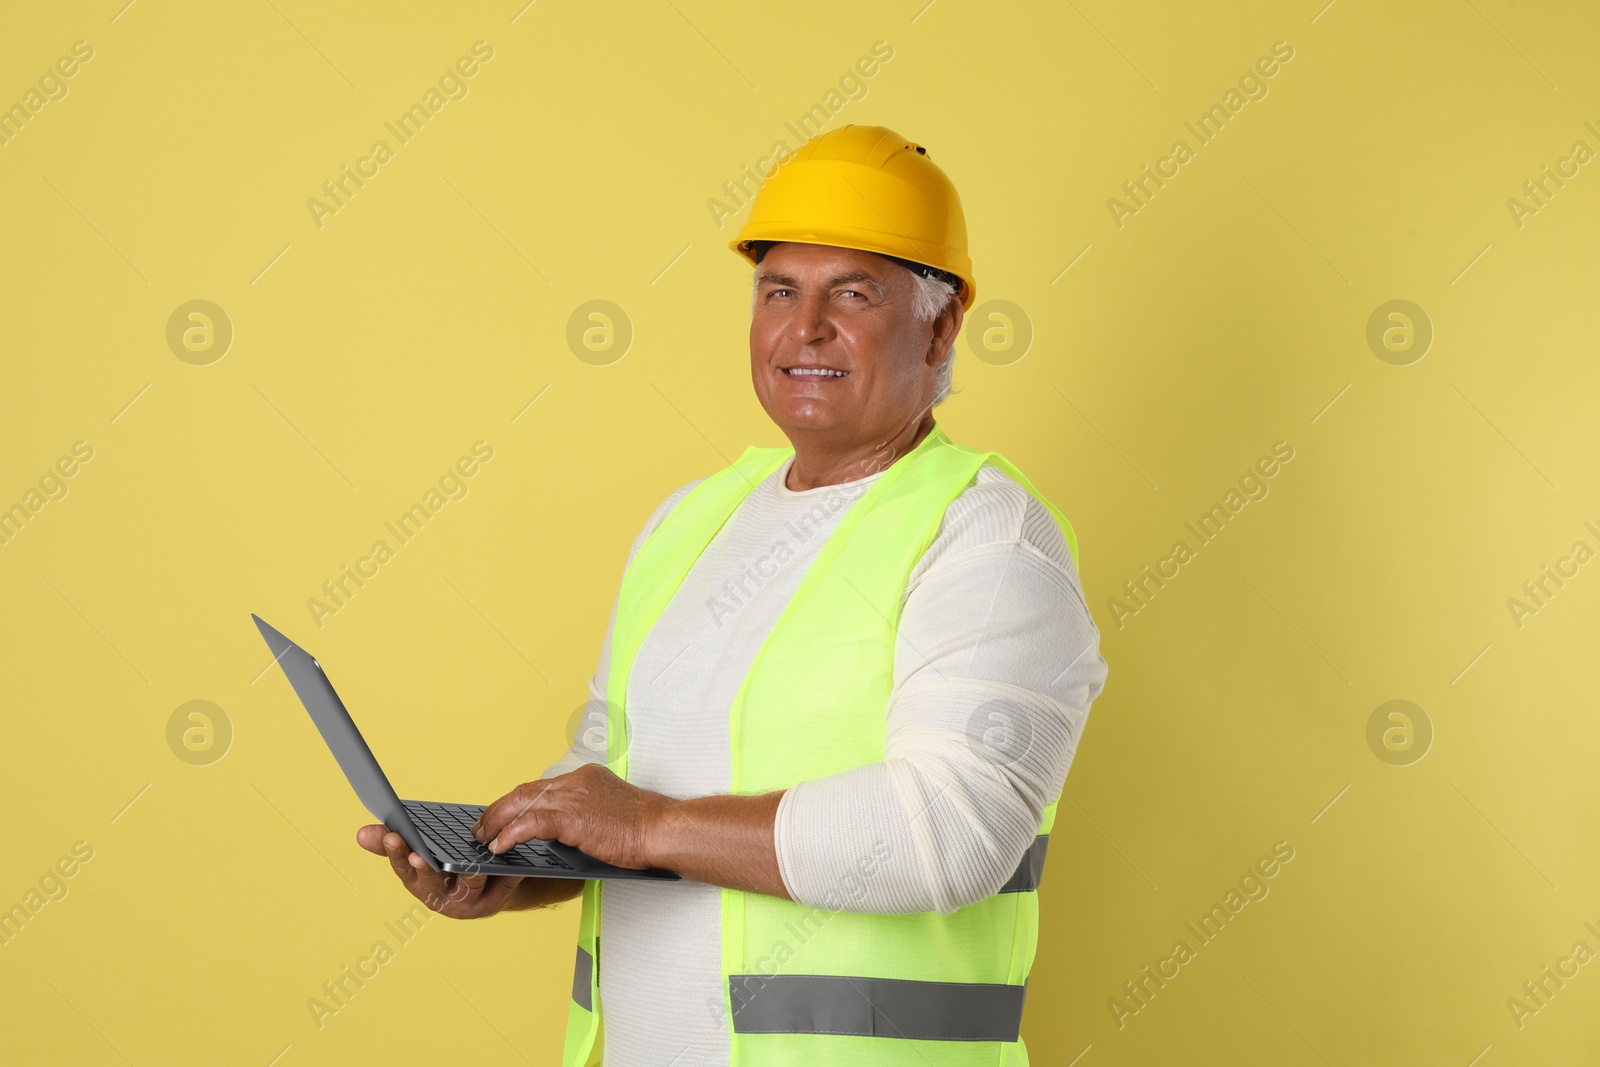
(807, 416)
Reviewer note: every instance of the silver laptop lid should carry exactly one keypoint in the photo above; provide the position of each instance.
(311, 685)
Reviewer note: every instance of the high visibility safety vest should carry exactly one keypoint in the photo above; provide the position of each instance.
(808, 986)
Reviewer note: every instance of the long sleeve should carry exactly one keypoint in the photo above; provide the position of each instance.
(996, 664)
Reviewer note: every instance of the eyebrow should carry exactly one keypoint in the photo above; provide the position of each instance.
(856, 277)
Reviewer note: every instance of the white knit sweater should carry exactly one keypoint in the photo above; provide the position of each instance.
(993, 611)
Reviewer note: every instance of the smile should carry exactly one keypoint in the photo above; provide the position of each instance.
(814, 372)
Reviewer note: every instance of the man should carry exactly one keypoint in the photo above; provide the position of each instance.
(840, 690)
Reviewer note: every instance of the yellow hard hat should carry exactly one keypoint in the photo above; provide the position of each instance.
(864, 187)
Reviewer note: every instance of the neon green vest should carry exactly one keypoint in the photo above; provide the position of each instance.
(811, 986)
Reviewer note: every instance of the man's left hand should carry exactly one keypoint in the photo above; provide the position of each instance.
(589, 808)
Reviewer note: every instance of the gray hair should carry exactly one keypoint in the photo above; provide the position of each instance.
(928, 297)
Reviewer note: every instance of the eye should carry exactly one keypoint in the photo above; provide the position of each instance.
(854, 292)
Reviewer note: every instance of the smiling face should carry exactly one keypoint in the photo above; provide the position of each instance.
(838, 357)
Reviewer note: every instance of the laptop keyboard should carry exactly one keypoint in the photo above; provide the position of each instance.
(451, 826)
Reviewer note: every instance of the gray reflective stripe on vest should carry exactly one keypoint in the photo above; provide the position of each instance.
(875, 1007)
(1031, 869)
(580, 978)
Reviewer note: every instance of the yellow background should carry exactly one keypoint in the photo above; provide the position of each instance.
(370, 353)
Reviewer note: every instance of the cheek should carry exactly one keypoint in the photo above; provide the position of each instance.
(887, 368)
(765, 332)
(858, 338)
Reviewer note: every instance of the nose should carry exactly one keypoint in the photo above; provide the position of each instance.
(809, 322)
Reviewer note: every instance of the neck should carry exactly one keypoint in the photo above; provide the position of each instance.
(819, 463)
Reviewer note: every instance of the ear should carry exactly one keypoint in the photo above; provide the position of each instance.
(946, 328)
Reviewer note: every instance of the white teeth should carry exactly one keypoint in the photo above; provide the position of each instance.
(815, 372)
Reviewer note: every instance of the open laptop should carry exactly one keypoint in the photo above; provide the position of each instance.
(440, 833)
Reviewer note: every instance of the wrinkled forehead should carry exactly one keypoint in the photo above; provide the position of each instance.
(760, 248)
(865, 267)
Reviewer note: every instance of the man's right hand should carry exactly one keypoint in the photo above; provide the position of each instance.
(462, 896)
